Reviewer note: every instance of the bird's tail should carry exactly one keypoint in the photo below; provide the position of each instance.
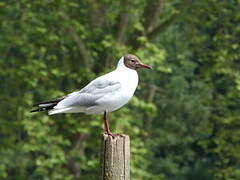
(46, 105)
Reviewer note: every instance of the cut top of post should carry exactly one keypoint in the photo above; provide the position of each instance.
(115, 157)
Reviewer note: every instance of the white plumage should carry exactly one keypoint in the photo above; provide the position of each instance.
(106, 93)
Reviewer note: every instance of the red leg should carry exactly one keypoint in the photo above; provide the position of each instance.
(106, 126)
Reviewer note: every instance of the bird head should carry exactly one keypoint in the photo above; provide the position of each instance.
(133, 62)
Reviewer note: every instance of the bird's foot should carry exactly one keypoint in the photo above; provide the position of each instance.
(114, 134)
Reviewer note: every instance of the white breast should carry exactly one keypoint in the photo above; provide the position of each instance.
(110, 102)
(129, 81)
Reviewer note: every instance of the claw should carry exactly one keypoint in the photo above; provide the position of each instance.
(114, 135)
(106, 127)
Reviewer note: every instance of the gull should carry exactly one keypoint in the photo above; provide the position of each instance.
(105, 94)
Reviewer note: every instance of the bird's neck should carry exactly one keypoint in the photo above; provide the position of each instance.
(125, 69)
(122, 67)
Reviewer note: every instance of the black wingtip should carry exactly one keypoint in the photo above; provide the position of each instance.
(46, 105)
(54, 101)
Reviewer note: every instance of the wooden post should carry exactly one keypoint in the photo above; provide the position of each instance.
(115, 158)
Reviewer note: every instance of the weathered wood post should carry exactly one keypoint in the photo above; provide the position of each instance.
(115, 158)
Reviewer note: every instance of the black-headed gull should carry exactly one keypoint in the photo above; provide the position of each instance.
(105, 94)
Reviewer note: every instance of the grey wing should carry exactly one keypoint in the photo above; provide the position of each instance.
(88, 96)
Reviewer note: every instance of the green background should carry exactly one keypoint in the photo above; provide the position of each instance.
(184, 120)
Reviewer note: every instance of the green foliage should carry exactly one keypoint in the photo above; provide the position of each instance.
(184, 120)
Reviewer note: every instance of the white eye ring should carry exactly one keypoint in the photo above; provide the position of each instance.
(132, 60)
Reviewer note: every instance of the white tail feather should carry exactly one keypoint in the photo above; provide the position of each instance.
(65, 110)
(58, 111)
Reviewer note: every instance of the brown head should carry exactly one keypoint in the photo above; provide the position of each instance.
(133, 62)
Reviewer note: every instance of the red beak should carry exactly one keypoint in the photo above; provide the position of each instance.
(144, 66)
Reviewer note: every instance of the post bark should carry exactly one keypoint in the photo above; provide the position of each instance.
(115, 158)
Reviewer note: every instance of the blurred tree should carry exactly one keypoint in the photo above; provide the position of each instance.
(184, 119)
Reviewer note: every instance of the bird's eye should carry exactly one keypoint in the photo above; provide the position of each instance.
(132, 60)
